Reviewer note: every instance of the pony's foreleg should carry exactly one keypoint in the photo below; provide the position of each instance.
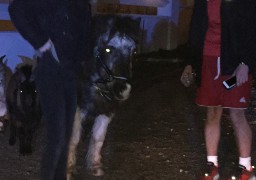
(75, 138)
(96, 142)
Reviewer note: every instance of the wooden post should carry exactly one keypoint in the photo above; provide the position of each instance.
(6, 25)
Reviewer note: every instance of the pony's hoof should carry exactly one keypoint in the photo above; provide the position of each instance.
(69, 177)
(25, 150)
(71, 171)
(97, 172)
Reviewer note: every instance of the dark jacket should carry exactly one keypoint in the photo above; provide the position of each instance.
(39, 20)
(238, 34)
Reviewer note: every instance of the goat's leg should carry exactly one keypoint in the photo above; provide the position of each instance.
(22, 139)
(13, 132)
(98, 136)
(28, 141)
(75, 138)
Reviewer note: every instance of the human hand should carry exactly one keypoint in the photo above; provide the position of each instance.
(241, 74)
(187, 76)
(48, 46)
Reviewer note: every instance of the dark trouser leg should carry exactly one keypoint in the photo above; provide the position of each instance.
(51, 84)
(69, 117)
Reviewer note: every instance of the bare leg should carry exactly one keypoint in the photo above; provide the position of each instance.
(98, 136)
(212, 130)
(243, 132)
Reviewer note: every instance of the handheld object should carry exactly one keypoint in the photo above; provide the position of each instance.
(229, 83)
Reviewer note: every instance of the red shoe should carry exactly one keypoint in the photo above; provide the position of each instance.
(242, 174)
(211, 172)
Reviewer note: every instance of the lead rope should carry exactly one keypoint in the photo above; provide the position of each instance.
(106, 92)
(218, 69)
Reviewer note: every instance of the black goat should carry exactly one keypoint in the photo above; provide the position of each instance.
(23, 108)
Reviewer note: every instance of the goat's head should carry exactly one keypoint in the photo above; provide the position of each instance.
(27, 98)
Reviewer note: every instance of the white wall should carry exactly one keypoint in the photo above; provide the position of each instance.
(12, 44)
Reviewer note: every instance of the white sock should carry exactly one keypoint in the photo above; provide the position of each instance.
(246, 162)
(213, 159)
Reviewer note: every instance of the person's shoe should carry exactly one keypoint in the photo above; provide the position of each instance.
(211, 172)
(242, 174)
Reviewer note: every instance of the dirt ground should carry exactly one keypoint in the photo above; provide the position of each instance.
(156, 135)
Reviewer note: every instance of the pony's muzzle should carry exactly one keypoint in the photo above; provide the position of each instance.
(122, 90)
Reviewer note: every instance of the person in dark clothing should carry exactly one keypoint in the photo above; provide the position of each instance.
(222, 44)
(58, 30)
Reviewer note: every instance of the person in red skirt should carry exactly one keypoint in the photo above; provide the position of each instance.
(222, 44)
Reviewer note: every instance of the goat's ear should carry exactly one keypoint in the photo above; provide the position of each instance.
(2, 58)
(5, 61)
(26, 60)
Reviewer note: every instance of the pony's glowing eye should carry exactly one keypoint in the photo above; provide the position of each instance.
(21, 91)
(107, 50)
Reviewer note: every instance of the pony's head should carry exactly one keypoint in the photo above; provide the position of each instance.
(115, 46)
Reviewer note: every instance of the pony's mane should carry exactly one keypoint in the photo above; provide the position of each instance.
(125, 25)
